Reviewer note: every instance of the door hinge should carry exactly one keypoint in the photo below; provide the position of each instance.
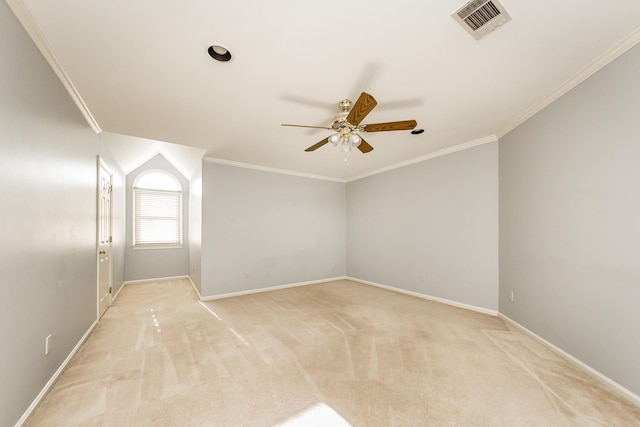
(110, 239)
(111, 189)
(110, 290)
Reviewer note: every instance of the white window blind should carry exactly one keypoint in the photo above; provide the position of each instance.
(157, 217)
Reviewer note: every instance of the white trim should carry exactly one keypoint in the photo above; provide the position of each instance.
(55, 376)
(141, 175)
(427, 297)
(131, 282)
(614, 386)
(195, 288)
(29, 24)
(269, 169)
(272, 288)
(146, 246)
(103, 165)
(117, 293)
(618, 49)
(443, 152)
(364, 282)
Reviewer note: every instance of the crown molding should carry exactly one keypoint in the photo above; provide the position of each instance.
(459, 147)
(463, 146)
(618, 49)
(25, 18)
(269, 169)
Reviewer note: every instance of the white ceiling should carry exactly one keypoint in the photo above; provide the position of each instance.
(142, 69)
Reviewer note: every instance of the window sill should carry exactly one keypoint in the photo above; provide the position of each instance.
(159, 246)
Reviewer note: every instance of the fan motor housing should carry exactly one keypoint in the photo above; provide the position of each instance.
(339, 120)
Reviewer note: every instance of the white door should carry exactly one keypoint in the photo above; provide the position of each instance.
(104, 239)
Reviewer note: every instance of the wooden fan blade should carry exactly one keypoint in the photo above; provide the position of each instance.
(318, 145)
(362, 107)
(305, 126)
(382, 127)
(364, 146)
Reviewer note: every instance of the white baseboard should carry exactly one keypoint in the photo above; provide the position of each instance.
(611, 384)
(118, 292)
(55, 376)
(131, 282)
(271, 288)
(332, 279)
(428, 297)
(195, 288)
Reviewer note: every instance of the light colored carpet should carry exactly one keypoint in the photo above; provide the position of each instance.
(334, 354)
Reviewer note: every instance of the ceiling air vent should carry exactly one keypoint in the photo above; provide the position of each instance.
(480, 17)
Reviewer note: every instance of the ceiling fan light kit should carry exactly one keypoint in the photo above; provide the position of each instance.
(347, 123)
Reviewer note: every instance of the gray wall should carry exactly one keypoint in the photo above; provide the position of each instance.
(570, 222)
(119, 220)
(141, 264)
(195, 228)
(48, 157)
(262, 229)
(431, 227)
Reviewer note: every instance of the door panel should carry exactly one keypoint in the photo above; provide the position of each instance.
(104, 239)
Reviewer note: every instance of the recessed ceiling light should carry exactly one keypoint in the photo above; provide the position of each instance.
(417, 131)
(219, 53)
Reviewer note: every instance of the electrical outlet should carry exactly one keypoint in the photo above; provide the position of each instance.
(47, 344)
(511, 296)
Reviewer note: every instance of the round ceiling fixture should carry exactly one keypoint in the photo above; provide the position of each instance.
(219, 53)
(417, 131)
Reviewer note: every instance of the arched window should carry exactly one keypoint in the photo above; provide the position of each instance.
(157, 210)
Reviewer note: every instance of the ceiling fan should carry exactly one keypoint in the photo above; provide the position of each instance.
(346, 124)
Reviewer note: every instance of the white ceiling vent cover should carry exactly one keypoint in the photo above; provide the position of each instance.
(480, 17)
